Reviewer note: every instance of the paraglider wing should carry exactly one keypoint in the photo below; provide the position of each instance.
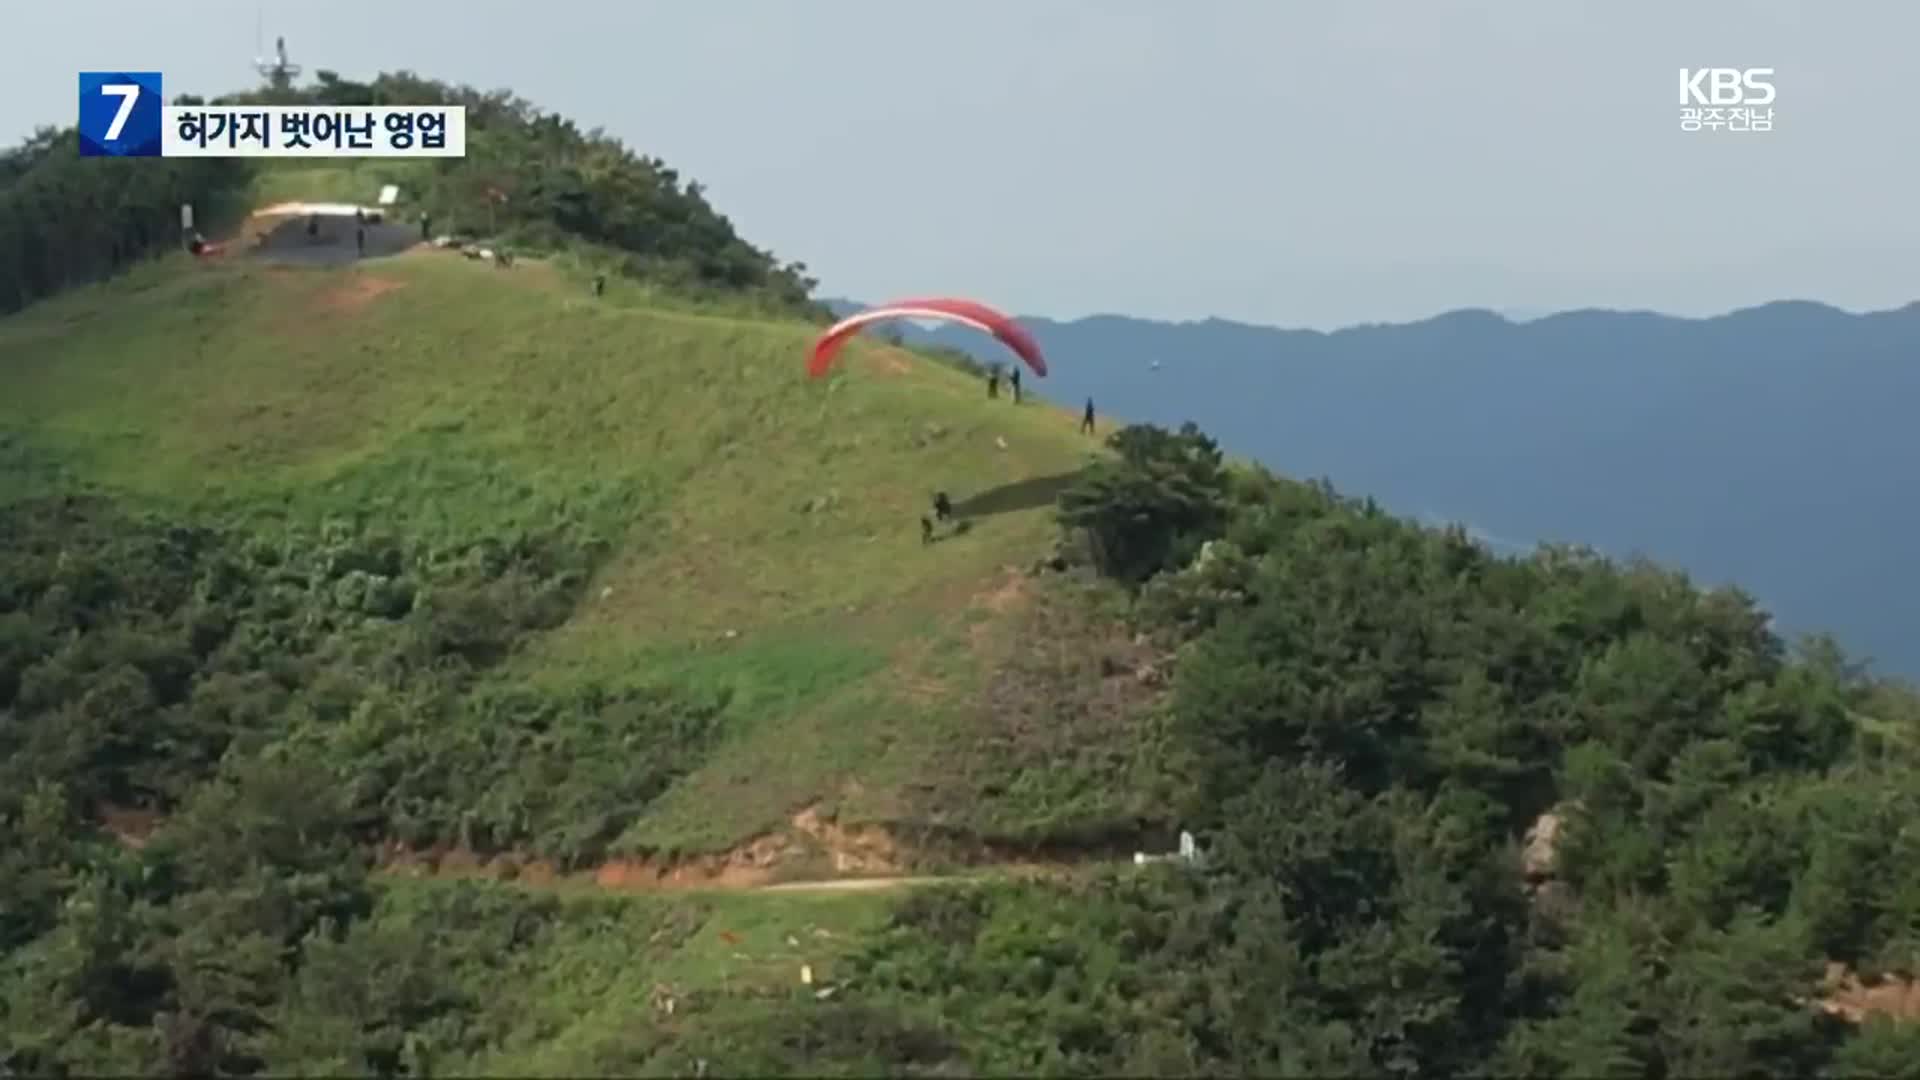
(947, 309)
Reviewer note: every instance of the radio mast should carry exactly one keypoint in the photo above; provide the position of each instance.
(278, 72)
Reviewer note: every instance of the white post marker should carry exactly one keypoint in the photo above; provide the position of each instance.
(389, 194)
(1189, 852)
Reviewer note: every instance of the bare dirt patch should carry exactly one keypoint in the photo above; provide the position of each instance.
(356, 292)
(1011, 591)
(860, 857)
(1002, 599)
(865, 849)
(799, 856)
(762, 861)
(868, 884)
(1853, 1000)
(131, 826)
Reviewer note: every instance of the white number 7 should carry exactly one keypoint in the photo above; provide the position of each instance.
(128, 93)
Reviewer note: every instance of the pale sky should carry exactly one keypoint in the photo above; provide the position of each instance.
(1273, 161)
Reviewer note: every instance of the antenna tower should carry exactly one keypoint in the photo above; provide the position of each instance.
(278, 72)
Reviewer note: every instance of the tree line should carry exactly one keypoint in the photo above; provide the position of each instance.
(535, 179)
(531, 179)
(67, 220)
(1376, 726)
(1367, 724)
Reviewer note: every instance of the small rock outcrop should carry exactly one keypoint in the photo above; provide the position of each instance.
(1540, 857)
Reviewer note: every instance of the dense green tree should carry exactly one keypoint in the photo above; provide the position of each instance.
(204, 730)
(67, 220)
(1150, 510)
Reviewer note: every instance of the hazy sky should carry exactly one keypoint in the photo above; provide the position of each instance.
(1310, 164)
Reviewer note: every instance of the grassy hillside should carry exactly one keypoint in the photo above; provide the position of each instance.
(723, 632)
(756, 533)
(417, 667)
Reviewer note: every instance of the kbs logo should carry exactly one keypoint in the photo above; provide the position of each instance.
(1730, 97)
(1724, 86)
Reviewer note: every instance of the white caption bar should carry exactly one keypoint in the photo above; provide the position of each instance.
(323, 131)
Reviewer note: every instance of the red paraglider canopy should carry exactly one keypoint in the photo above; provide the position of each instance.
(950, 309)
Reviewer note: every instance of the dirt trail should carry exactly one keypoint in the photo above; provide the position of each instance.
(812, 853)
(857, 884)
(1849, 998)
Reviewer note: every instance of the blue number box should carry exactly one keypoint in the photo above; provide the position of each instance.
(120, 113)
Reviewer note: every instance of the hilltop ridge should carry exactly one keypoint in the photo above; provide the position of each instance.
(1732, 446)
(624, 424)
(1787, 308)
(421, 666)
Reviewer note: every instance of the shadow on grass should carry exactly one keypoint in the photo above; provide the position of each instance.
(1020, 495)
(959, 528)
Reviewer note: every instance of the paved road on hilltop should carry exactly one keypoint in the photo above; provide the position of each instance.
(287, 241)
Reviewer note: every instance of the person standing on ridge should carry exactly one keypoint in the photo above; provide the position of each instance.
(1015, 380)
(993, 381)
(1086, 418)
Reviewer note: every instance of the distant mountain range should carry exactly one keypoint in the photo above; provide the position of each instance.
(1774, 447)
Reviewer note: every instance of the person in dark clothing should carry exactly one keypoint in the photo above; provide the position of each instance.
(993, 382)
(599, 284)
(313, 226)
(1086, 418)
(926, 530)
(942, 507)
(426, 226)
(1015, 380)
(360, 238)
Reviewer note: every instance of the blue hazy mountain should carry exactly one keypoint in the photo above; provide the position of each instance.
(1773, 448)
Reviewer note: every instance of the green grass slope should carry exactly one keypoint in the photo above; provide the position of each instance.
(514, 582)
(759, 529)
